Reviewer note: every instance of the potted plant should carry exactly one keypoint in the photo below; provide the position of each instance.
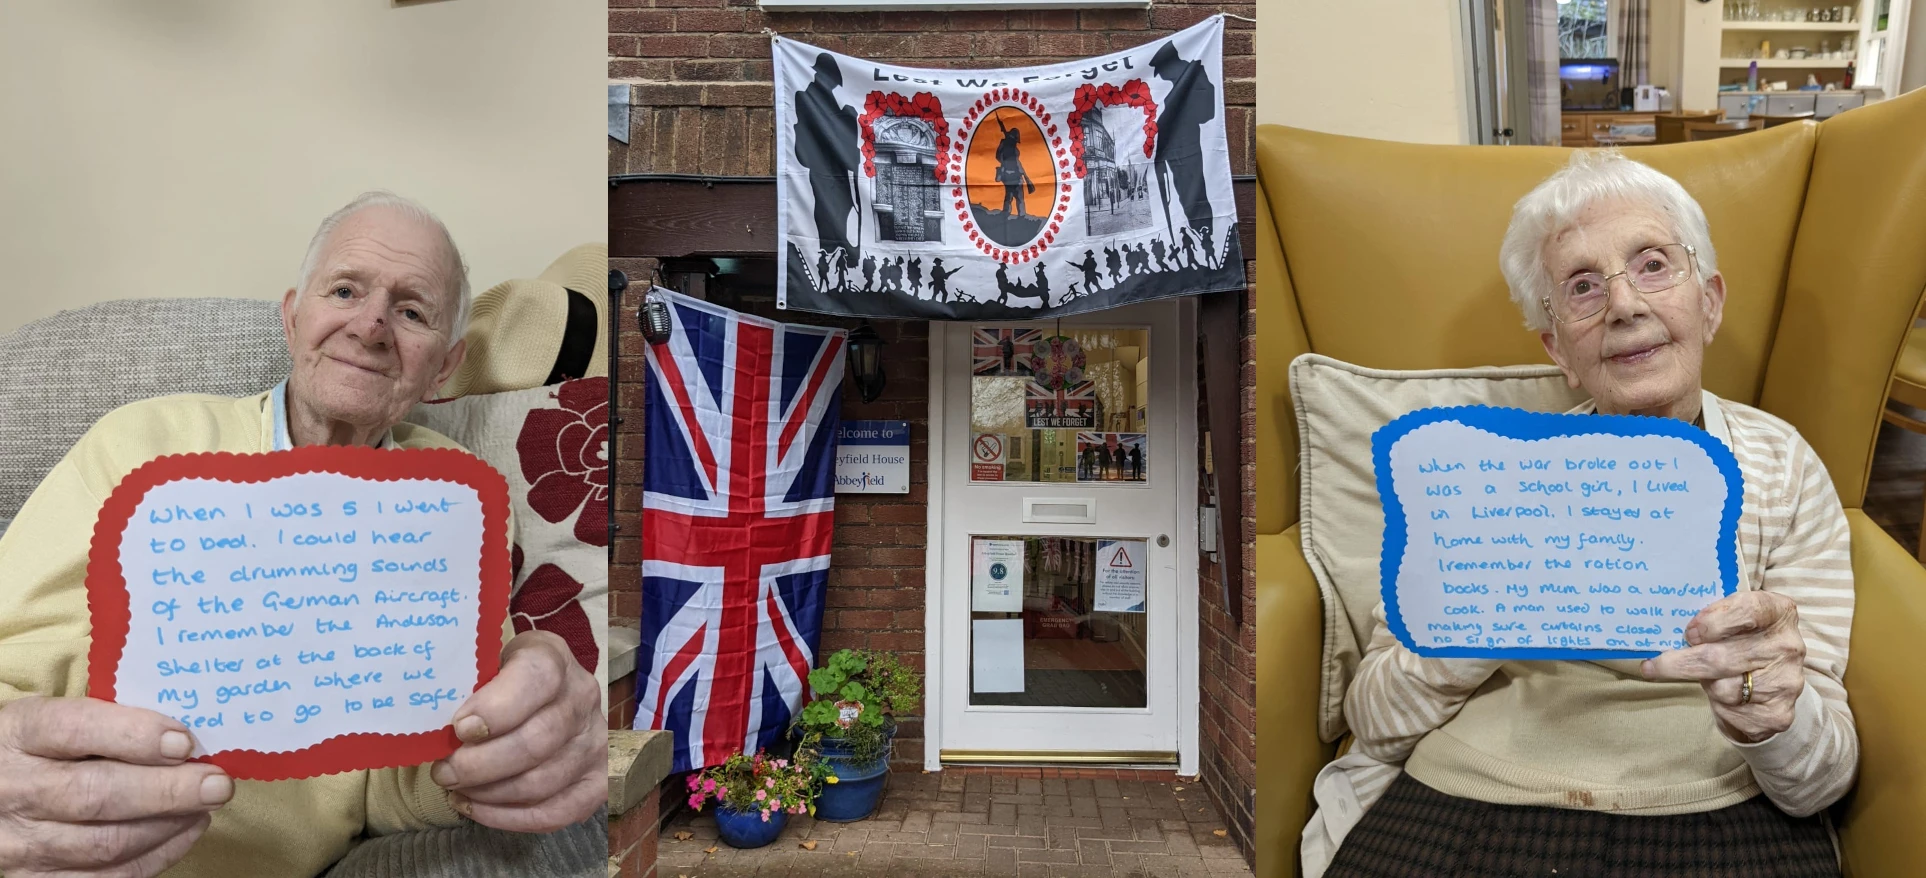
(755, 795)
(850, 724)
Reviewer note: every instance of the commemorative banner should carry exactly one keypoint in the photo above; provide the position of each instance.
(1004, 194)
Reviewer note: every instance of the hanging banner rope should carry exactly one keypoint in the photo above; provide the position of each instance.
(1004, 194)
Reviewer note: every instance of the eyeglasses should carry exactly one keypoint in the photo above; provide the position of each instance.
(1655, 270)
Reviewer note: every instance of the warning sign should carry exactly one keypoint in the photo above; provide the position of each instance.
(1120, 576)
(987, 454)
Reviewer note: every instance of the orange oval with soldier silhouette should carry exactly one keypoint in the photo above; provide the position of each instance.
(1009, 176)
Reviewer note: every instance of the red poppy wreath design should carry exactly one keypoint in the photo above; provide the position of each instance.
(565, 458)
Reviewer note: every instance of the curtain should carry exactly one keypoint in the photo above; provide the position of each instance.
(1541, 73)
(1634, 31)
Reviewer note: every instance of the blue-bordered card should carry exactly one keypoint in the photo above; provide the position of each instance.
(1524, 535)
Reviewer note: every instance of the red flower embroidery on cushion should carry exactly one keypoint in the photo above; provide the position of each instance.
(565, 458)
(547, 601)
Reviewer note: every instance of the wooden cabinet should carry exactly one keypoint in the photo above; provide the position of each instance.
(1586, 129)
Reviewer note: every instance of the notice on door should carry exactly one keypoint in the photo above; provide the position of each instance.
(996, 576)
(1120, 576)
(987, 455)
(996, 659)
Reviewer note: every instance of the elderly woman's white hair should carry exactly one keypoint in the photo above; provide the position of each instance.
(1590, 177)
(408, 207)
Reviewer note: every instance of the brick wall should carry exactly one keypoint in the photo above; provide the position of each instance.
(1227, 696)
(703, 85)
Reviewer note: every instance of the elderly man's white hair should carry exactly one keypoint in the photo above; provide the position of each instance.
(1590, 177)
(380, 198)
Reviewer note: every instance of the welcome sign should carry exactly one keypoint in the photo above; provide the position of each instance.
(997, 194)
(872, 457)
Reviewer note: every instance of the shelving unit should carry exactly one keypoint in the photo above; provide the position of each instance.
(1791, 25)
(1764, 63)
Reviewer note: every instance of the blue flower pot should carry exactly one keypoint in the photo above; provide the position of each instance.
(746, 829)
(858, 788)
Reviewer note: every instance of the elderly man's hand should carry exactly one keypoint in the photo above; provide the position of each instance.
(534, 753)
(1751, 631)
(90, 787)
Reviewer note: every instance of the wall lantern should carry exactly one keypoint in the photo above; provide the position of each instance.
(866, 361)
(654, 315)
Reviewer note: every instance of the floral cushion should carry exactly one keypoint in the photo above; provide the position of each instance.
(552, 444)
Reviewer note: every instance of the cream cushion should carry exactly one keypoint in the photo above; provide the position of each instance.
(1339, 406)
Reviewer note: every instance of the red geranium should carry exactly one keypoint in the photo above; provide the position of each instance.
(565, 458)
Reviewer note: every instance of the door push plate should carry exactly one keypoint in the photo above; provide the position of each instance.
(1059, 510)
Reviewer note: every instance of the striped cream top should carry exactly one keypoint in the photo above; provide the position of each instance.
(1597, 735)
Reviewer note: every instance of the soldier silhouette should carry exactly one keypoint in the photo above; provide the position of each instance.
(1111, 259)
(1043, 285)
(842, 272)
(940, 280)
(1009, 354)
(1009, 168)
(1089, 266)
(826, 145)
(1090, 463)
(1136, 463)
(822, 269)
(869, 273)
(1103, 461)
(1157, 250)
(1188, 106)
(1003, 284)
(1190, 255)
(916, 276)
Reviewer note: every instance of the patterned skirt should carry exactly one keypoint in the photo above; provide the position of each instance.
(1415, 830)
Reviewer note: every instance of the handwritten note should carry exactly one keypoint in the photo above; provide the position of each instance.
(288, 606)
(1523, 535)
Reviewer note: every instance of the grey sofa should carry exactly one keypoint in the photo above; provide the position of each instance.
(60, 374)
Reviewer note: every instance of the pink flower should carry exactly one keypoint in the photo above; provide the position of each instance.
(765, 816)
(695, 801)
(775, 804)
(693, 781)
(760, 795)
(771, 784)
(709, 785)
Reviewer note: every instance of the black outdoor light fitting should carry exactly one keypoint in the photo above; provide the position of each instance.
(654, 316)
(866, 361)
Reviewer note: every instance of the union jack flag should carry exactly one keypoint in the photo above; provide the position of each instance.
(993, 347)
(738, 502)
(1063, 408)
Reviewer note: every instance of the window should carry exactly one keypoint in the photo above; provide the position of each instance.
(1584, 29)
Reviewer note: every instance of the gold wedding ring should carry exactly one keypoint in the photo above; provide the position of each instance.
(1745, 689)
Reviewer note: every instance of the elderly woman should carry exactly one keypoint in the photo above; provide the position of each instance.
(1711, 760)
(92, 787)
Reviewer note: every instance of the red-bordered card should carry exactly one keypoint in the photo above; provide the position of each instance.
(305, 612)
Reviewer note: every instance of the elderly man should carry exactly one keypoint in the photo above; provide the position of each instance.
(1714, 759)
(89, 787)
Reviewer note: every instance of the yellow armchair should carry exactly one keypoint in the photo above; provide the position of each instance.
(1386, 255)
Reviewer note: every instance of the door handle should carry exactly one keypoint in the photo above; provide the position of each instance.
(1163, 541)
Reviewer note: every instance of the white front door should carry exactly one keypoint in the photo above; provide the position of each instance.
(1063, 572)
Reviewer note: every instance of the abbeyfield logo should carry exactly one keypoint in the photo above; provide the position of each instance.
(864, 479)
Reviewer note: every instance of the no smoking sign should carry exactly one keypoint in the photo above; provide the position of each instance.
(987, 454)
